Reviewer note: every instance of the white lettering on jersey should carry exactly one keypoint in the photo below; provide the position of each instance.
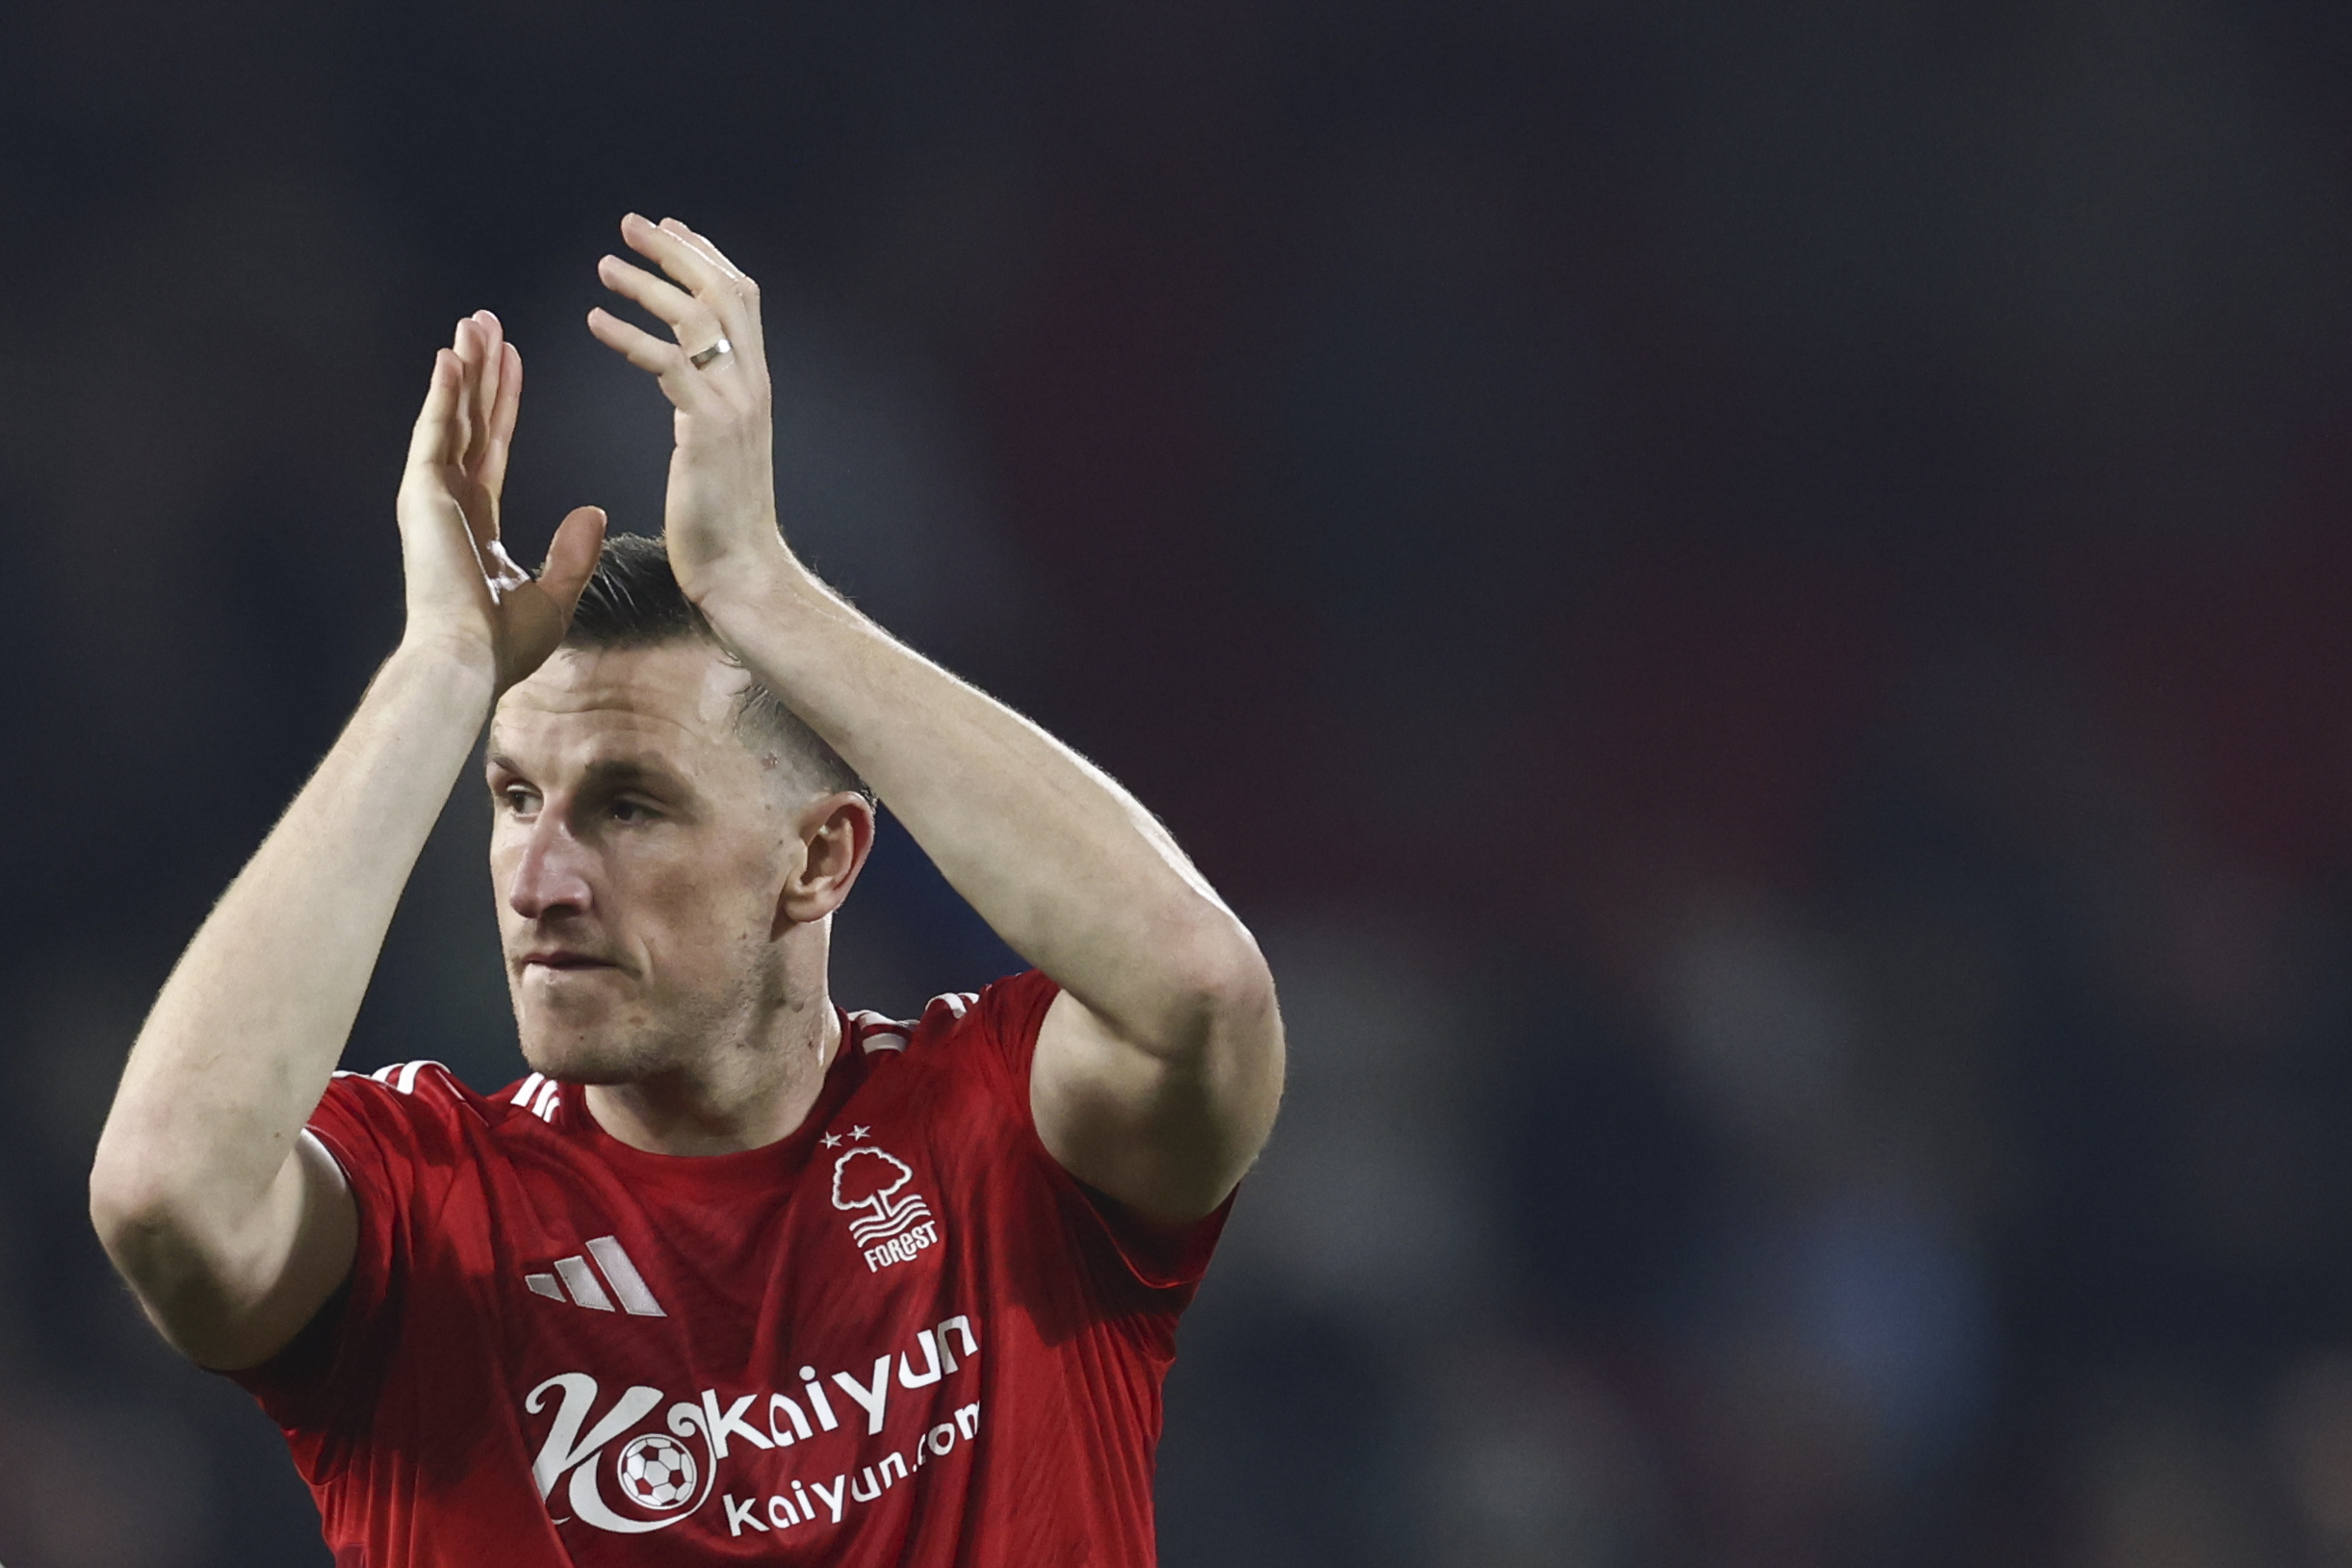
(872, 1400)
(740, 1514)
(564, 1447)
(816, 1399)
(662, 1478)
(896, 1223)
(908, 1377)
(784, 1404)
(862, 1486)
(900, 1249)
(656, 1473)
(718, 1425)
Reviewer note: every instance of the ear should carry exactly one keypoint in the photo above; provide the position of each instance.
(837, 834)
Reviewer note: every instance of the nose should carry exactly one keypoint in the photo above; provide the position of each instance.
(551, 879)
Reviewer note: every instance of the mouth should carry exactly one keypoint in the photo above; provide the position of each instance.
(563, 961)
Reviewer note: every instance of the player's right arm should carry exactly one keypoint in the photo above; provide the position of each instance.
(231, 1228)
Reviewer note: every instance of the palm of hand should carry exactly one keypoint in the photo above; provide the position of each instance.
(463, 586)
(720, 516)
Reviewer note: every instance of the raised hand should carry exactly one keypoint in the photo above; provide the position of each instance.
(721, 508)
(463, 590)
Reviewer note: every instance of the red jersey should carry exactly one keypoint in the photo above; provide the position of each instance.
(903, 1336)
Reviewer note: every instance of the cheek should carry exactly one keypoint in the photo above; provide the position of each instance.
(702, 913)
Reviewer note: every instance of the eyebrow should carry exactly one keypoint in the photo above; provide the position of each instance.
(616, 773)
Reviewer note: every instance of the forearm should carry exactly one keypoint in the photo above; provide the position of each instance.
(1157, 1071)
(1062, 862)
(247, 1030)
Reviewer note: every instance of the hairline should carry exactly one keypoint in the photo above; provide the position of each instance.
(747, 718)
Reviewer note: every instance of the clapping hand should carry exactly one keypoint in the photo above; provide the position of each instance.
(721, 508)
(464, 592)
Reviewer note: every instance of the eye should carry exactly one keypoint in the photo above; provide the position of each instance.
(631, 811)
(518, 799)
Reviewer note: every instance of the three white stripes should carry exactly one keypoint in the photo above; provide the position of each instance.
(574, 1279)
(541, 1094)
(401, 1076)
(585, 1288)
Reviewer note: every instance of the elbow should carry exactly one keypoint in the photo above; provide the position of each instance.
(125, 1202)
(1222, 988)
(131, 1191)
(116, 1195)
(135, 1206)
(156, 1236)
(1235, 980)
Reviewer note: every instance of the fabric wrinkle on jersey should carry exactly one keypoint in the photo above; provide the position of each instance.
(902, 1336)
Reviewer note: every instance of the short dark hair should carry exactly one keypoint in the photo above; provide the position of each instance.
(632, 600)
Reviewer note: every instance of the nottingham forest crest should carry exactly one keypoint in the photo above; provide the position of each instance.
(893, 1222)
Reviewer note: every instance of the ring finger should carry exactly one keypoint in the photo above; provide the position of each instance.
(696, 324)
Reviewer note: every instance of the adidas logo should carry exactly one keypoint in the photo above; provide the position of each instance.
(575, 1276)
(538, 1093)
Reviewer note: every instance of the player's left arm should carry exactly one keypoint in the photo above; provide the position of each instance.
(1159, 1066)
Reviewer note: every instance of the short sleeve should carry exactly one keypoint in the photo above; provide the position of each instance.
(1002, 1020)
(395, 1139)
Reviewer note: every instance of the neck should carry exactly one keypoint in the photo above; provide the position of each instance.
(749, 1096)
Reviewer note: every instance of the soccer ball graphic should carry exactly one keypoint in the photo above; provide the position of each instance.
(658, 1471)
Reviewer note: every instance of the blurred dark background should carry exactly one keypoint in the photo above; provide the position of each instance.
(1754, 600)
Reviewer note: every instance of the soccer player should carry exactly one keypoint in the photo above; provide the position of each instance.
(733, 1274)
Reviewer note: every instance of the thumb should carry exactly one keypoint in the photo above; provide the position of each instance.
(571, 557)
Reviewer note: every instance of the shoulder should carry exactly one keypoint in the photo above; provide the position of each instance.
(1003, 1014)
(992, 1031)
(401, 1091)
(987, 1039)
(421, 1108)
